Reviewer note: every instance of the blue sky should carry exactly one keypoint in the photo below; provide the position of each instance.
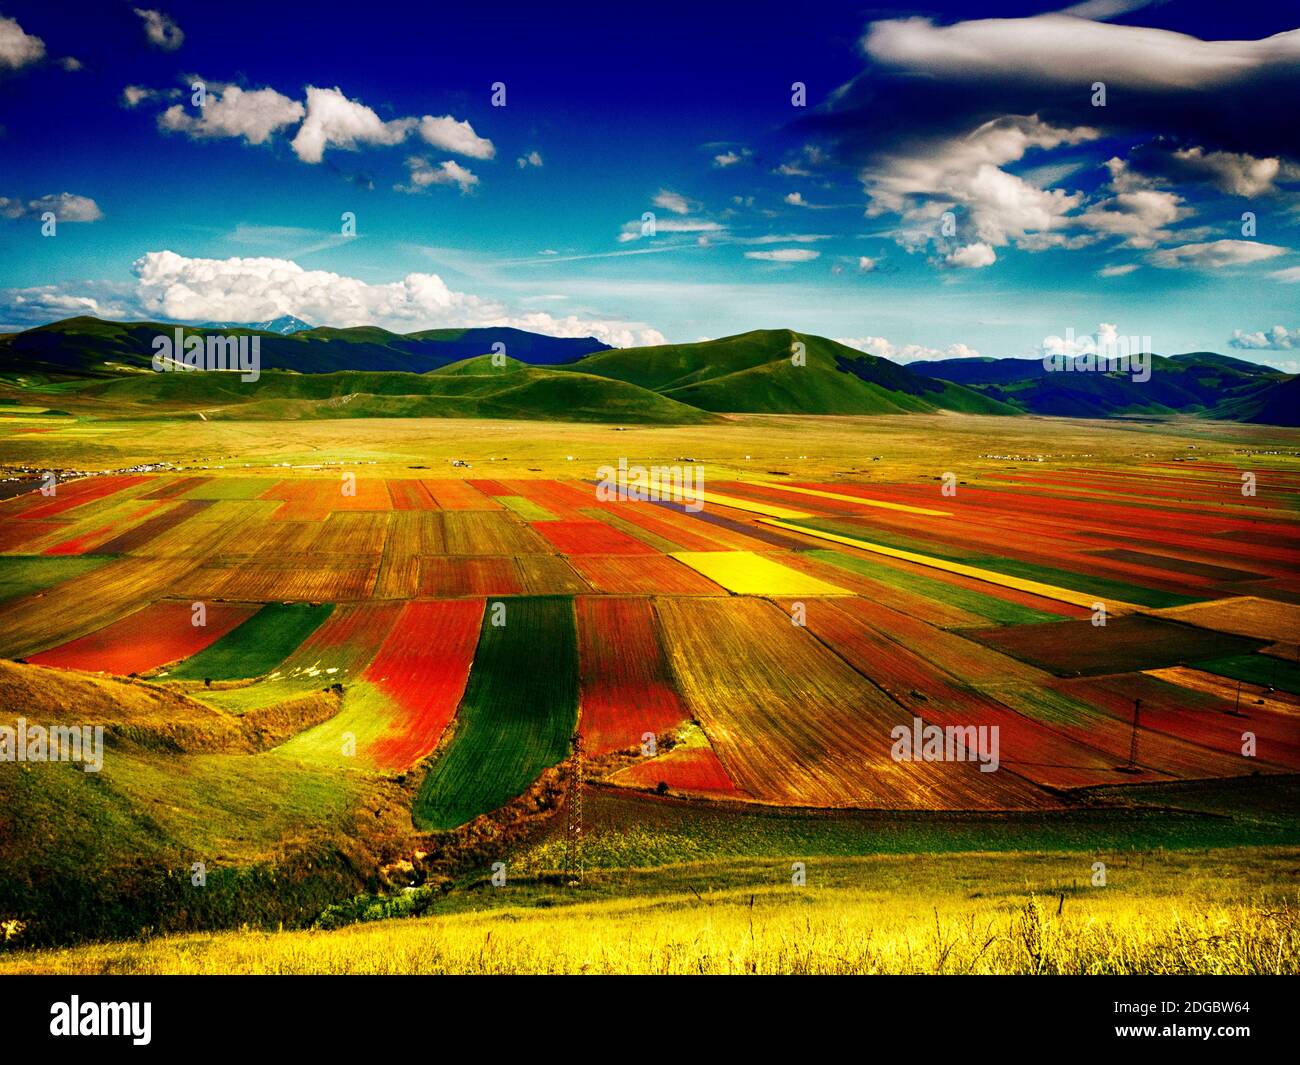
(950, 185)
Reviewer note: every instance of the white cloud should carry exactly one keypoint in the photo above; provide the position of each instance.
(229, 112)
(784, 238)
(161, 29)
(133, 95)
(531, 159)
(784, 255)
(1117, 271)
(70, 63)
(972, 256)
(335, 121)
(1279, 338)
(1105, 340)
(673, 201)
(1290, 275)
(1140, 217)
(795, 199)
(177, 288)
(731, 157)
(451, 136)
(882, 348)
(632, 230)
(48, 303)
(17, 48)
(67, 207)
(925, 180)
(866, 264)
(1215, 254)
(448, 172)
(1061, 50)
(1235, 173)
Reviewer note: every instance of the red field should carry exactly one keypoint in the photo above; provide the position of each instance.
(626, 683)
(146, 640)
(694, 770)
(422, 666)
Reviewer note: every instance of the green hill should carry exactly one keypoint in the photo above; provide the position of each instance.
(471, 389)
(91, 347)
(756, 373)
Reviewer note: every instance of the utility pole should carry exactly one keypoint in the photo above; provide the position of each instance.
(1133, 744)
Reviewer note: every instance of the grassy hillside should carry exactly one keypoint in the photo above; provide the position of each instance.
(88, 346)
(475, 388)
(755, 373)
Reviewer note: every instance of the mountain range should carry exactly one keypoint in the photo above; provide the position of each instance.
(105, 368)
(1199, 382)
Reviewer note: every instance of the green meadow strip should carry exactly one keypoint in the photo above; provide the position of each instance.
(23, 574)
(978, 603)
(517, 716)
(1264, 670)
(887, 538)
(231, 488)
(258, 645)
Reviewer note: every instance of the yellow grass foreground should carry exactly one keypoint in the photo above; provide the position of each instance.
(1162, 913)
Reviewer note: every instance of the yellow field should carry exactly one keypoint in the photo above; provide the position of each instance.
(747, 573)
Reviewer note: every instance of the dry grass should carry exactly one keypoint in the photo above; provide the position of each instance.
(857, 921)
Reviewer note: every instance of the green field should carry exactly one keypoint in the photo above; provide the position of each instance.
(23, 574)
(257, 646)
(517, 716)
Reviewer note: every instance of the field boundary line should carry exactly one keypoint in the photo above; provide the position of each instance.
(1047, 591)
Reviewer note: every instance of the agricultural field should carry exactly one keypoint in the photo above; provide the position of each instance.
(455, 654)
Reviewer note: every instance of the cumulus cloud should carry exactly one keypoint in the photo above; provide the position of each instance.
(882, 348)
(178, 288)
(452, 136)
(1215, 254)
(673, 201)
(47, 303)
(229, 112)
(160, 29)
(1105, 340)
(924, 180)
(67, 207)
(533, 158)
(972, 256)
(335, 121)
(866, 264)
(17, 48)
(1279, 338)
(785, 255)
(448, 172)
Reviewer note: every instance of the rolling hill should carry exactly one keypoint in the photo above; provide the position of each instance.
(755, 373)
(474, 388)
(1200, 383)
(104, 368)
(91, 347)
